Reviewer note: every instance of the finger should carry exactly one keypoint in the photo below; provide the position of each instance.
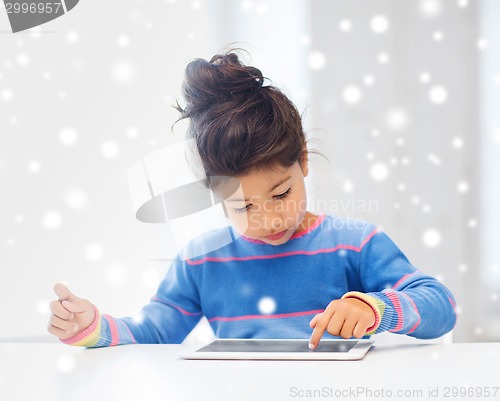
(78, 306)
(321, 325)
(57, 309)
(348, 328)
(314, 320)
(64, 293)
(56, 331)
(336, 323)
(63, 324)
(59, 333)
(359, 330)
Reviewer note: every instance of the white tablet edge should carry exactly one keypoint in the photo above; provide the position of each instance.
(355, 353)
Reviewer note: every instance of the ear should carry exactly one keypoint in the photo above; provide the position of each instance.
(304, 162)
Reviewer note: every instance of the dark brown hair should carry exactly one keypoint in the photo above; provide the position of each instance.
(237, 122)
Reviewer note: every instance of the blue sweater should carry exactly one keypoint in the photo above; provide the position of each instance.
(249, 289)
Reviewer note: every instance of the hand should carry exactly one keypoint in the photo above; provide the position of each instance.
(70, 315)
(346, 317)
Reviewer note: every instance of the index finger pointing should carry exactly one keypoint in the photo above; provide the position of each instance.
(316, 335)
(321, 325)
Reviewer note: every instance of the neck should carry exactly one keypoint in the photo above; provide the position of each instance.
(307, 222)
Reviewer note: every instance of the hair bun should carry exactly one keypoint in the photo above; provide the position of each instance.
(219, 80)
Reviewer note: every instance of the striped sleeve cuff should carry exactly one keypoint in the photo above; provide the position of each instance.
(376, 304)
(88, 337)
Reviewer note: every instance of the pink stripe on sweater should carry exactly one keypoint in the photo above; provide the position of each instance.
(285, 254)
(277, 316)
(397, 306)
(369, 237)
(275, 256)
(405, 277)
(317, 222)
(452, 303)
(113, 328)
(183, 311)
(131, 335)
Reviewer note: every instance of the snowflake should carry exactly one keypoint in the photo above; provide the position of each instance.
(94, 252)
(351, 94)
(34, 166)
(463, 187)
(482, 43)
(68, 136)
(347, 186)
(425, 77)
(22, 59)
(379, 24)
(110, 149)
(345, 25)
(438, 94)
(72, 37)
(76, 198)
(430, 8)
(431, 238)
(65, 363)
(317, 60)
(123, 72)
(7, 95)
(52, 220)
(457, 143)
(132, 132)
(116, 275)
(267, 305)
(383, 58)
(123, 41)
(397, 119)
(379, 171)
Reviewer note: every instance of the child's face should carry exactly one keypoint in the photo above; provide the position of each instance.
(268, 205)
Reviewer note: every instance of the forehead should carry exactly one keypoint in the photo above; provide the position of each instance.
(255, 179)
(266, 175)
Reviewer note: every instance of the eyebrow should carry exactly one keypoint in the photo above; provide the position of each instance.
(271, 190)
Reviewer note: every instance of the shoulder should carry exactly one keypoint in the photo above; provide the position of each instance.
(355, 232)
(214, 242)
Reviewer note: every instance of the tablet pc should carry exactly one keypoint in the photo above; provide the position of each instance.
(281, 349)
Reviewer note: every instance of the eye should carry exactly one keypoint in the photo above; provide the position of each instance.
(283, 195)
(242, 209)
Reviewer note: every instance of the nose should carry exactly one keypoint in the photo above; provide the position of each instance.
(266, 217)
(273, 220)
(276, 223)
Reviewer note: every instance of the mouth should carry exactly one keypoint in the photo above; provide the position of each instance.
(276, 236)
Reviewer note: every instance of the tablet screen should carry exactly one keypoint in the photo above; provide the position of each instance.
(277, 346)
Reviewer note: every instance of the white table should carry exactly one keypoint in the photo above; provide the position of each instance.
(56, 372)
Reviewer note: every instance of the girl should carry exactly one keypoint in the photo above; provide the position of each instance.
(322, 273)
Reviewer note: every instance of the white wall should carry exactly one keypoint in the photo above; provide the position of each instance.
(111, 73)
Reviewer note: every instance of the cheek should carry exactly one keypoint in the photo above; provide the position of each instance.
(298, 204)
(238, 221)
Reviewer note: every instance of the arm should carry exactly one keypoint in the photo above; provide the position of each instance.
(396, 297)
(168, 318)
(404, 299)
